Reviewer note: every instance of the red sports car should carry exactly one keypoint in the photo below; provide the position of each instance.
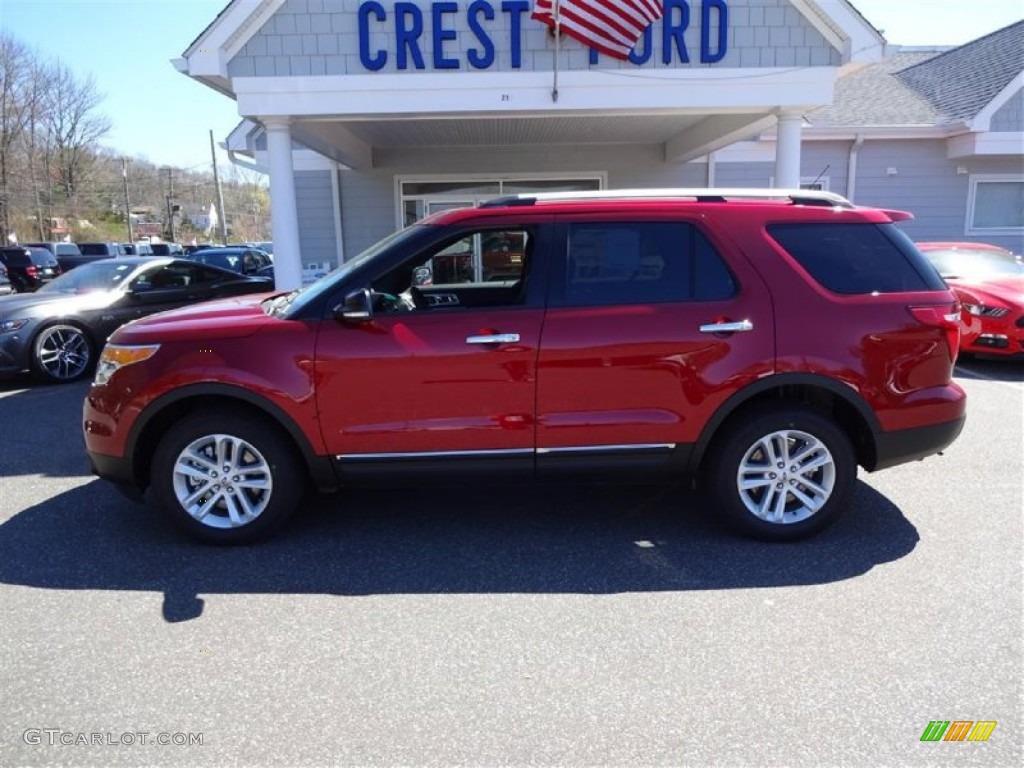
(989, 282)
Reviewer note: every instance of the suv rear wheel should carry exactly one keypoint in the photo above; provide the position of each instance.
(784, 474)
(226, 478)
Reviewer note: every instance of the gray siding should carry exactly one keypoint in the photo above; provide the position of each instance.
(926, 183)
(314, 200)
(1010, 117)
(368, 197)
(321, 37)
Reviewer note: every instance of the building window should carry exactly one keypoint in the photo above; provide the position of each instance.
(419, 197)
(995, 205)
(816, 183)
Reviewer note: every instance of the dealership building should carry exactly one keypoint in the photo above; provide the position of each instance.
(368, 115)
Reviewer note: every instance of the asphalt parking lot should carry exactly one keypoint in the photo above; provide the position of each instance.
(514, 626)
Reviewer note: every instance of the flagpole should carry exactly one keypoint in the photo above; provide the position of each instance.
(558, 41)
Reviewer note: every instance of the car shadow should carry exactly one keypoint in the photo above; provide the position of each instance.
(590, 540)
(42, 424)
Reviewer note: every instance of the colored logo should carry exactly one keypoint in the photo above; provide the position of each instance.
(958, 730)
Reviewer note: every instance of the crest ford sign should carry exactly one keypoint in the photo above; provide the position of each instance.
(397, 32)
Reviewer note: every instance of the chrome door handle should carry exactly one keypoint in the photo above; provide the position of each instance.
(494, 338)
(737, 327)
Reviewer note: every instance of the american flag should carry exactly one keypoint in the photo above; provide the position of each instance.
(611, 26)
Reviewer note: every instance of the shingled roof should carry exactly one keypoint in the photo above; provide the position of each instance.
(961, 82)
(916, 87)
(872, 96)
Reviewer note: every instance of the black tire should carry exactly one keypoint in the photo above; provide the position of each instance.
(62, 353)
(254, 449)
(790, 429)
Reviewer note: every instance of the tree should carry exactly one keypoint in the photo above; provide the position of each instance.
(72, 126)
(15, 92)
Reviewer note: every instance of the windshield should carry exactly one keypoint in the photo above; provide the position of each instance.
(298, 299)
(974, 264)
(90, 278)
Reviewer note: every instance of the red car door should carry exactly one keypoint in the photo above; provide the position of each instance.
(454, 377)
(650, 327)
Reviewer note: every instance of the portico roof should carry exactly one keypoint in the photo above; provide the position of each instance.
(690, 109)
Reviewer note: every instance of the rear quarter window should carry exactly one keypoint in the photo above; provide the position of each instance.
(858, 258)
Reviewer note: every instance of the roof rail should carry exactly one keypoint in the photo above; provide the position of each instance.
(714, 195)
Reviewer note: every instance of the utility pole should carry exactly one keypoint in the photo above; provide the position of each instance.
(127, 201)
(220, 194)
(170, 201)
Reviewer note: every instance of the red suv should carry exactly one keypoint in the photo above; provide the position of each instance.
(765, 342)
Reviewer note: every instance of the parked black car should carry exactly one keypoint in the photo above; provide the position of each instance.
(108, 250)
(248, 261)
(5, 281)
(90, 252)
(28, 267)
(167, 249)
(58, 332)
(58, 249)
(138, 249)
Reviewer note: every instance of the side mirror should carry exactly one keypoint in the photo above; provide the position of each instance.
(357, 307)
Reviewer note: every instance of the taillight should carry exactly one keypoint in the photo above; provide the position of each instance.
(31, 271)
(944, 316)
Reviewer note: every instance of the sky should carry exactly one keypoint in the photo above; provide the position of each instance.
(163, 115)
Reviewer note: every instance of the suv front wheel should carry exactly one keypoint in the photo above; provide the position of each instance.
(783, 474)
(226, 478)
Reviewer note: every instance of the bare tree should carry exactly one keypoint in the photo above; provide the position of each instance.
(72, 126)
(14, 76)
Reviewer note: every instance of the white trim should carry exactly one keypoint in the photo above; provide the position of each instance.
(524, 94)
(747, 152)
(983, 120)
(863, 44)
(787, 149)
(209, 55)
(712, 133)
(820, 23)
(980, 144)
(969, 228)
(336, 199)
(308, 160)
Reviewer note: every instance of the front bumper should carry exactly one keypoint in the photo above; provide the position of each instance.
(118, 470)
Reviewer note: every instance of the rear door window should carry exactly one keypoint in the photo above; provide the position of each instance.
(636, 262)
(858, 258)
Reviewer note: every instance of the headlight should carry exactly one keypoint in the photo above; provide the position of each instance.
(982, 310)
(8, 326)
(116, 356)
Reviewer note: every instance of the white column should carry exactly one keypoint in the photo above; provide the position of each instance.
(284, 218)
(787, 151)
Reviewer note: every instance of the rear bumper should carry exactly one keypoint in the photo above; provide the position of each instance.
(903, 445)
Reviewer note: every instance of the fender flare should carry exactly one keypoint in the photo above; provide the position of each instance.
(320, 467)
(736, 401)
